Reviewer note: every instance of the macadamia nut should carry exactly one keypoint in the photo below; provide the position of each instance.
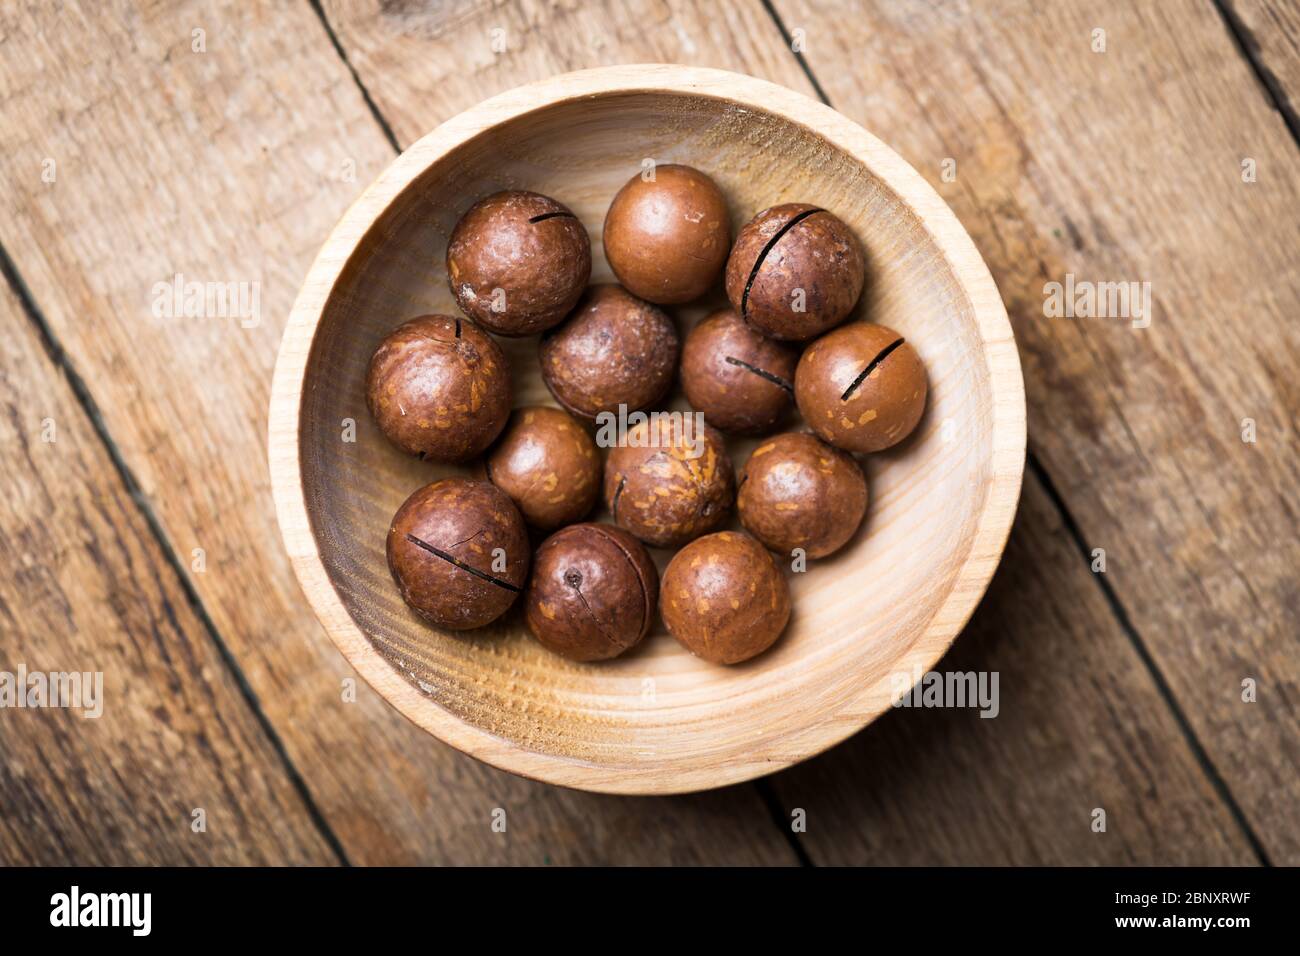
(796, 491)
(668, 483)
(459, 552)
(548, 464)
(593, 592)
(614, 350)
(517, 262)
(795, 271)
(666, 237)
(861, 388)
(741, 381)
(439, 387)
(724, 598)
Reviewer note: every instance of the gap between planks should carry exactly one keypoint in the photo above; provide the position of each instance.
(1243, 39)
(384, 126)
(58, 356)
(1044, 479)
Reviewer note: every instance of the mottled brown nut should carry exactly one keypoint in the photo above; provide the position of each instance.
(459, 552)
(517, 261)
(592, 593)
(614, 350)
(548, 464)
(666, 239)
(861, 388)
(796, 491)
(743, 382)
(668, 483)
(795, 271)
(724, 599)
(439, 387)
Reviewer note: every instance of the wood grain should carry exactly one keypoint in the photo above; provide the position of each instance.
(1269, 31)
(399, 50)
(424, 62)
(86, 589)
(231, 165)
(1127, 166)
(1080, 727)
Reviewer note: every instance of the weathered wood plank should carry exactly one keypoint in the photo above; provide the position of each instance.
(1270, 32)
(1127, 166)
(424, 62)
(397, 54)
(87, 589)
(230, 164)
(1080, 727)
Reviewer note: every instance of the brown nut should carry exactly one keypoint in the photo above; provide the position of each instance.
(547, 463)
(439, 387)
(796, 491)
(517, 261)
(795, 271)
(741, 381)
(614, 350)
(861, 388)
(458, 551)
(592, 593)
(666, 239)
(667, 483)
(724, 599)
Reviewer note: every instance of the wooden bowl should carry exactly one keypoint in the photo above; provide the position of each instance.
(656, 720)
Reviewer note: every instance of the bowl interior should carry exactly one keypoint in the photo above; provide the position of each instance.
(657, 709)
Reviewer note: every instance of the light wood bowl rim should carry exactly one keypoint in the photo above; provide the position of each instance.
(1003, 364)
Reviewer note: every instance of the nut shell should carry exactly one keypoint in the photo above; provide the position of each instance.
(548, 464)
(667, 239)
(789, 247)
(593, 592)
(796, 491)
(724, 598)
(743, 382)
(667, 486)
(614, 350)
(528, 246)
(439, 387)
(446, 573)
(882, 406)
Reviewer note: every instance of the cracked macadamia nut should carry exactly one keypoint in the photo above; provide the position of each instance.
(439, 388)
(796, 491)
(667, 238)
(795, 271)
(614, 350)
(548, 464)
(592, 593)
(667, 483)
(517, 261)
(459, 552)
(861, 388)
(741, 381)
(724, 598)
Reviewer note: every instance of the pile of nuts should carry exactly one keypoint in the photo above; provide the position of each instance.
(519, 263)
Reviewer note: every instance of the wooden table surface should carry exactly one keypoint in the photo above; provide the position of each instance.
(141, 542)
